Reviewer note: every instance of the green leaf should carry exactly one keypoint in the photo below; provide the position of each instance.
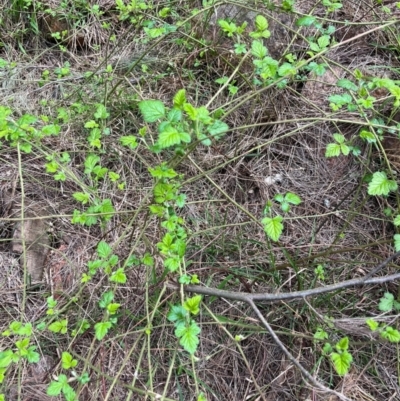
(258, 50)
(152, 110)
(193, 304)
(273, 227)
(261, 23)
(113, 308)
(52, 129)
(106, 299)
(55, 388)
(177, 314)
(339, 138)
(341, 362)
(293, 198)
(321, 334)
(386, 302)
(81, 197)
(6, 358)
(59, 326)
(174, 115)
(172, 136)
(307, 20)
(372, 324)
(118, 276)
(381, 185)
(90, 163)
(333, 150)
(396, 239)
(323, 41)
(347, 84)
(68, 362)
(391, 334)
(129, 141)
(101, 112)
(101, 329)
(188, 336)
(172, 263)
(367, 136)
(342, 344)
(180, 98)
(396, 220)
(103, 250)
(218, 129)
(287, 69)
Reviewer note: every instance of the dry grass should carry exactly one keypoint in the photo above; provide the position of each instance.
(275, 133)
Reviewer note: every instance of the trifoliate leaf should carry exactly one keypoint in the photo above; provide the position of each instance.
(67, 360)
(193, 304)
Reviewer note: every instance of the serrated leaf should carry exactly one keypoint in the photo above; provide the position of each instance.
(367, 136)
(332, 150)
(391, 334)
(323, 41)
(372, 324)
(345, 149)
(341, 362)
(101, 329)
(218, 129)
(346, 84)
(321, 334)
(258, 50)
(103, 250)
(129, 141)
(67, 360)
(396, 220)
(396, 239)
(343, 344)
(193, 304)
(152, 110)
(81, 197)
(287, 69)
(177, 314)
(261, 23)
(180, 98)
(273, 227)
(386, 302)
(307, 20)
(188, 336)
(293, 198)
(54, 388)
(339, 138)
(172, 136)
(381, 185)
(118, 276)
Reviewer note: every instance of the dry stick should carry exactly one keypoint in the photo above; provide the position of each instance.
(250, 298)
(295, 362)
(280, 296)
